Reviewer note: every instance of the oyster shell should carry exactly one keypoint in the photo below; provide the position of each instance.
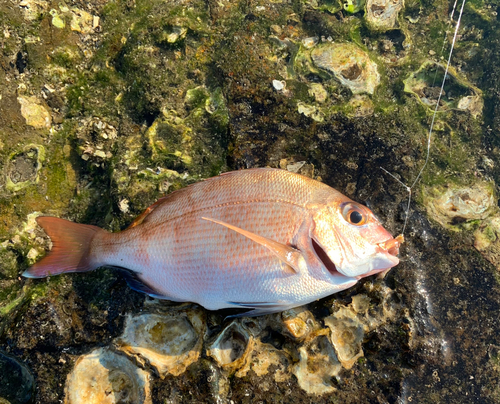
(382, 15)
(232, 347)
(266, 358)
(34, 112)
(317, 365)
(360, 106)
(104, 377)
(453, 204)
(458, 93)
(24, 167)
(298, 323)
(169, 342)
(349, 64)
(17, 385)
(347, 333)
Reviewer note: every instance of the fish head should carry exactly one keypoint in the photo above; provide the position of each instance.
(349, 239)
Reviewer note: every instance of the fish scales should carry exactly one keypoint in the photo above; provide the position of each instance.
(267, 205)
(236, 188)
(242, 239)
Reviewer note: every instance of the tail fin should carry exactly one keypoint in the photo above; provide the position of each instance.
(70, 248)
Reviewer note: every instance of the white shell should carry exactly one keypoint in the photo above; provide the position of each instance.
(382, 15)
(455, 204)
(317, 365)
(169, 342)
(104, 377)
(347, 333)
(349, 64)
(232, 347)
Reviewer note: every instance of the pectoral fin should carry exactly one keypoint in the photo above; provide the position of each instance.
(289, 255)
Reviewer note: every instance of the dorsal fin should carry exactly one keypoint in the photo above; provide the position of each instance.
(139, 219)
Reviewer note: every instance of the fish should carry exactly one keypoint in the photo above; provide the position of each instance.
(260, 239)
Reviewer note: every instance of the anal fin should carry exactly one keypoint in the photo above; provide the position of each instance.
(292, 257)
(136, 283)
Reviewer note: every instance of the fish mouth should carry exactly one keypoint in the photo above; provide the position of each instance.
(392, 245)
(387, 251)
(325, 259)
(390, 249)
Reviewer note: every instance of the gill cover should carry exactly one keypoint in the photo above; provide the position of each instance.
(351, 236)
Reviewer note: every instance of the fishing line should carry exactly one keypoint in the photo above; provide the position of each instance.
(445, 37)
(429, 135)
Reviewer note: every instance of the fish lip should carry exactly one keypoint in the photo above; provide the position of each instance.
(391, 257)
(391, 246)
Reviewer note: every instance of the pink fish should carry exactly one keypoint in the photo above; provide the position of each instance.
(261, 239)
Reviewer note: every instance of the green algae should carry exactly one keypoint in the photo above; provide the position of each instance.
(353, 6)
(331, 6)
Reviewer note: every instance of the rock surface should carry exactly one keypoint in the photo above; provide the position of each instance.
(107, 105)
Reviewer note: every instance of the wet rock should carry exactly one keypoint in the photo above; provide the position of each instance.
(487, 240)
(17, 385)
(169, 342)
(203, 73)
(349, 64)
(104, 377)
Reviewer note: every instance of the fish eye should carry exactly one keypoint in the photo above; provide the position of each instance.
(355, 214)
